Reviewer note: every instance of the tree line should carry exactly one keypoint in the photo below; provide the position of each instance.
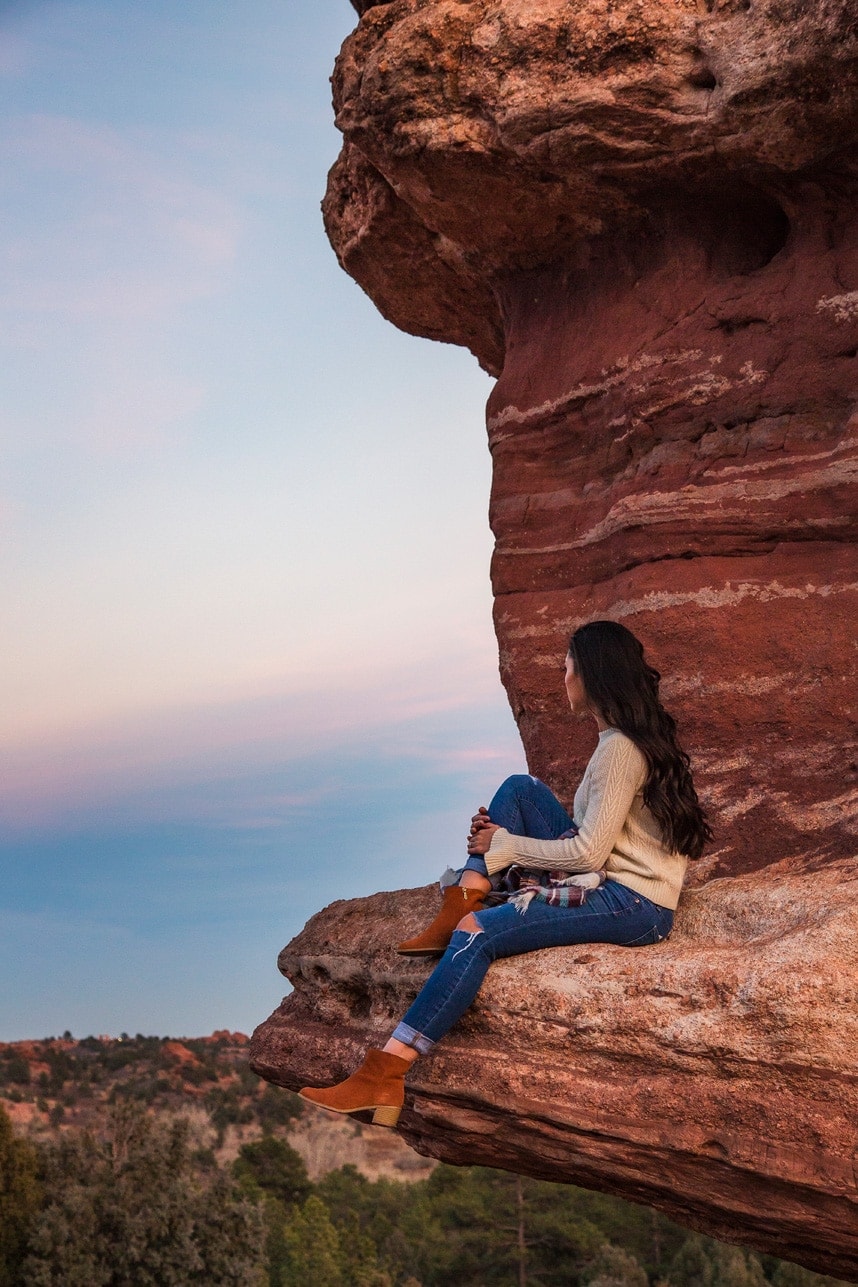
(137, 1205)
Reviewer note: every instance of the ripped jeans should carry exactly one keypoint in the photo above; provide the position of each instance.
(612, 914)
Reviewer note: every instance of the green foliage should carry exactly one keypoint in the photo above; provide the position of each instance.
(737, 1267)
(395, 1219)
(788, 1275)
(359, 1258)
(249, 1081)
(312, 1251)
(91, 1044)
(468, 1225)
(126, 1052)
(197, 1074)
(703, 1262)
(205, 1047)
(435, 1231)
(14, 1070)
(142, 1207)
(692, 1266)
(226, 1109)
(614, 1267)
(270, 1165)
(62, 1067)
(135, 1068)
(20, 1199)
(650, 1237)
(536, 1229)
(275, 1240)
(143, 1089)
(478, 1227)
(132, 1211)
(277, 1107)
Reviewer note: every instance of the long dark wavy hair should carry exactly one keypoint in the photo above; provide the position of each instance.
(623, 687)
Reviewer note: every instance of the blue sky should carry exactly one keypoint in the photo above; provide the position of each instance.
(247, 656)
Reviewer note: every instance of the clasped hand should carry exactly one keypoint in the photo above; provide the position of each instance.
(482, 830)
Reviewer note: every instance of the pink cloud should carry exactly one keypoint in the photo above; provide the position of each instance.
(42, 777)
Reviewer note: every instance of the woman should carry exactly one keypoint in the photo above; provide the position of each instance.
(615, 877)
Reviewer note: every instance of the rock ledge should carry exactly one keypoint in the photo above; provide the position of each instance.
(712, 1076)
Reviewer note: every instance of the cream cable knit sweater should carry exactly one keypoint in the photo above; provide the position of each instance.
(616, 829)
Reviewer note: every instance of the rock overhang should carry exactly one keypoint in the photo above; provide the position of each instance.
(712, 1076)
(488, 137)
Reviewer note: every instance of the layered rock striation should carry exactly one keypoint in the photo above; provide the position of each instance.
(712, 1076)
(640, 215)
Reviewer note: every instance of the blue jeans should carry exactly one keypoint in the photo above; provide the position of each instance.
(612, 914)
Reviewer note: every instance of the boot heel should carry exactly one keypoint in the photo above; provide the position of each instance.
(385, 1116)
(377, 1087)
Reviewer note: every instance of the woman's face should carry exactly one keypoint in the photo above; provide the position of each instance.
(578, 700)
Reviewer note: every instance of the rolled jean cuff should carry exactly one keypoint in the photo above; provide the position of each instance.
(411, 1037)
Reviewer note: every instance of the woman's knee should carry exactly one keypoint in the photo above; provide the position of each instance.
(512, 793)
(470, 924)
(518, 783)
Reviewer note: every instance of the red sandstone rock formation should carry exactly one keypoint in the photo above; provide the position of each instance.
(641, 216)
(712, 1076)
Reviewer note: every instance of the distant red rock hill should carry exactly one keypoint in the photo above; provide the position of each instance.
(59, 1084)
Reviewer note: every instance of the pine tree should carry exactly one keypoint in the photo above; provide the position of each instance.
(312, 1248)
(703, 1262)
(274, 1167)
(130, 1211)
(692, 1266)
(359, 1256)
(20, 1199)
(787, 1274)
(736, 1267)
(614, 1267)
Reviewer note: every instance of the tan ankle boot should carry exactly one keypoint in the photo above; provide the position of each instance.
(379, 1084)
(458, 901)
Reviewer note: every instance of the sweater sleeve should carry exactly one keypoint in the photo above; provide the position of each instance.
(617, 773)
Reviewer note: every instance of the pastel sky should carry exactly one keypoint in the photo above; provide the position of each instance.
(247, 656)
